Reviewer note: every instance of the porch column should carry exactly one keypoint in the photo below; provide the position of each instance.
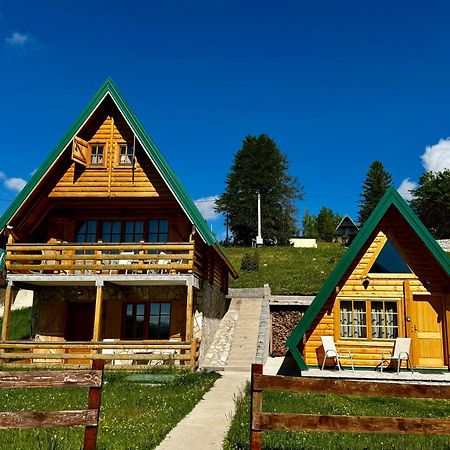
(189, 312)
(98, 311)
(9, 296)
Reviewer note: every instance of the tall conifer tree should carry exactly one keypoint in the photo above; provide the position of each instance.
(431, 202)
(259, 166)
(374, 187)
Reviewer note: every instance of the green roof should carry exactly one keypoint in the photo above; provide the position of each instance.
(391, 198)
(173, 182)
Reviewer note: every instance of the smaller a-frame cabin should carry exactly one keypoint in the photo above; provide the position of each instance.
(393, 281)
(111, 244)
(346, 230)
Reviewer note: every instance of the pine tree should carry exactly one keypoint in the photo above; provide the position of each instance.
(375, 185)
(259, 166)
(309, 226)
(327, 221)
(431, 202)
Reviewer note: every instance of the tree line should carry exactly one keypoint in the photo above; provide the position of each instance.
(259, 167)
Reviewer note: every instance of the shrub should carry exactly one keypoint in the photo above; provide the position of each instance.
(250, 262)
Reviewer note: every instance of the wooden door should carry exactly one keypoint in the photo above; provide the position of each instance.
(426, 331)
(80, 321)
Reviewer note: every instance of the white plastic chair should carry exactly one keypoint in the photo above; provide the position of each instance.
(400, 353)
(330, 350)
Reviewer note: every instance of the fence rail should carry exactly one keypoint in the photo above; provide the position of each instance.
(181, 353)
(261, 421)
(88, 418)
(100, 258)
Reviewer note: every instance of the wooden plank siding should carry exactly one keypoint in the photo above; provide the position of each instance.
(425, 280)
(111, 179)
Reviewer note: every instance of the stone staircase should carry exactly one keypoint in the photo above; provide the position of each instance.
(241, 336)
(245, 337)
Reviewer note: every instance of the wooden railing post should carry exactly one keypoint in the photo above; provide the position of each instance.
(96, 335)
(193, 352)
(9, 294)
(94, 401)
(189, 312)
(255, 408)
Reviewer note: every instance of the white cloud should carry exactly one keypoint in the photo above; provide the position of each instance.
(437, 157)
(206, 207)
(405, 186)
(15, 184)
(18, 39)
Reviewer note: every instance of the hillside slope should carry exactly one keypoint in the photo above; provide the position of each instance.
(288, 270)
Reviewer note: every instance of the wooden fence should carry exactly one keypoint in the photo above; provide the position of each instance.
(260, 421)
(134, 356)
(88, 418)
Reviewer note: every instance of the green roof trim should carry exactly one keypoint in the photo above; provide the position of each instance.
(109, 87)
(390, 198)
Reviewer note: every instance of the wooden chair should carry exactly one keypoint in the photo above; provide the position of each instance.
(401, 353)
(330, 351)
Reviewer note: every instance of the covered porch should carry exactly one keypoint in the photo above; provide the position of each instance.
(127, 319)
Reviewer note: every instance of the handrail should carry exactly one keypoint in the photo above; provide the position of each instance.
(100, 257)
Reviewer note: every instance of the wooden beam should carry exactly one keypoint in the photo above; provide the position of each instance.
(9, 295)
(350, 424)
(447, 327)
(98, 313)
(189, 312)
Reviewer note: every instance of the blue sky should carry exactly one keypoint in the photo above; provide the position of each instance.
(336, 84)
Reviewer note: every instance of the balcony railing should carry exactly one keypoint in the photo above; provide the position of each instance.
(100, 258)
(125, 355)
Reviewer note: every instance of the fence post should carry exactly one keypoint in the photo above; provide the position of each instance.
(94, 399)
(255, 408)
(193, 352)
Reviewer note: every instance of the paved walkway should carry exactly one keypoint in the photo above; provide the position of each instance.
(205, 427)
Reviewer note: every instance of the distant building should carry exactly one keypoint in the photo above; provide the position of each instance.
(346, 230)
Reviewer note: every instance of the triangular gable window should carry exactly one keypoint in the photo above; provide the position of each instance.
(389, 261)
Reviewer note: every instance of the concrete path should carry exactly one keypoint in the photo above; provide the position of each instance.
(205, 427)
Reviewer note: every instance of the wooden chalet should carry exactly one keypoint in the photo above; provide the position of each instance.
(114, 249)
(346, 230)
(393, 281)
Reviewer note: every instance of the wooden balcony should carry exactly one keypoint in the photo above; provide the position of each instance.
(101, 258)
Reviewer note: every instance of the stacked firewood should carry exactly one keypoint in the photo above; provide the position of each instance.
(283, 322)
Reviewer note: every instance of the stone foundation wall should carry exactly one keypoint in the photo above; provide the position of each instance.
(213, 305)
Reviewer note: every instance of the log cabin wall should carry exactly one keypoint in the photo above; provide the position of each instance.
(426, 279)
(52, 306)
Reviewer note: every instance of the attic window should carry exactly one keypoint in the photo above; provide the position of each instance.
(97, 155)
(125, 155)
(389, 261)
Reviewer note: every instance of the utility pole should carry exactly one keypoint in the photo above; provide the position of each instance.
(259, 239)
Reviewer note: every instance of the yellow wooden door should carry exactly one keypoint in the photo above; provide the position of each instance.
(426, 331)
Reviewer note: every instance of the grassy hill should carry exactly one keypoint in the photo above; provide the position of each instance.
(287, 270)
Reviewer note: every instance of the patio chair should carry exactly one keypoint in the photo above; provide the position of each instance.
(330, 350)
(400, 353)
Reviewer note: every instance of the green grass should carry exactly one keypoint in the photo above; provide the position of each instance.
(238, 434)
(20, 324)
(133, 415)
(287, 270)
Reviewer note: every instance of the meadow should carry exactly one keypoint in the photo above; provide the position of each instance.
(137, 411)
(288, 270)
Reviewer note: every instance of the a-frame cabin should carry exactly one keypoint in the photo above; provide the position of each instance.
(393, 281)
(110, 242)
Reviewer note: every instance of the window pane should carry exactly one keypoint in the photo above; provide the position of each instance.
(359, 320)
(154, 309)
(153, 226)
(346, 319)
(165, 308)
(164, 226)
(164, 328)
